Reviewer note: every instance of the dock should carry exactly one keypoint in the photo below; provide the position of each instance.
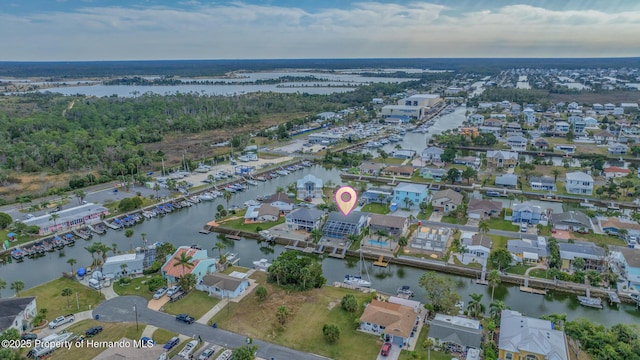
(380, 262)
(80, 235)
(111, 226)
(353, 287)
(234, 236)
(319, 250)
(294, 246)
(532, 290)
(338, 253)
(613, 298)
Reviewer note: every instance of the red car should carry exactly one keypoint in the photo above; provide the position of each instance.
(385, 349)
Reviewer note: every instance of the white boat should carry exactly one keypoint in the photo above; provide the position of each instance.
(261, 265)
(460, 306)
(252, 182)
(163, 356)
(188, 349)
(356, 281)
(590, 302)
(405, 291)
(266, 235)
(205, 197)
(226, 355)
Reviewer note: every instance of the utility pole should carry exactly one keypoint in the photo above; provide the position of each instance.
(135, 309)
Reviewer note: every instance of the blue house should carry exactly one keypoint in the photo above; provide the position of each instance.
(223, 286)
(526, 213)
(410, 195)
(200, 264)
(377, 195)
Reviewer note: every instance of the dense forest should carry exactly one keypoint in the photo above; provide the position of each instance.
(55, 133)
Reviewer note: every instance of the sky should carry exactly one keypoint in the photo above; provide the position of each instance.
(79, 30)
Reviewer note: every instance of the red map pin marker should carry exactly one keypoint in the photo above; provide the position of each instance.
(346, 199)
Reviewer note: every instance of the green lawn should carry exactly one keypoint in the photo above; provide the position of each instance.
(517, 269)
(454, 220)
(473, 265)
(391, 161)
(501, 224)
(426, 214)
(20, 239)
(196, 304)
(420, 353)
(232, 268)
(538, 273)
(137, 286)
(161, 336)
(49, 296)
(238, 224)
(499, 241)
(376, 208)
(309, 311)
(599, 239)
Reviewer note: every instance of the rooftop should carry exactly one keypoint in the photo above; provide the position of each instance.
(525, 334)
(10, 308)
(397, 319)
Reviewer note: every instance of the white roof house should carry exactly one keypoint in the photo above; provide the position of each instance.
(113, 267)
(522, 334)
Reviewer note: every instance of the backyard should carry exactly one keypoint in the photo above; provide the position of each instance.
(236, 222)
(501, 224)
(376, 208)
(308, 312)
(196, 304)
(49, 296)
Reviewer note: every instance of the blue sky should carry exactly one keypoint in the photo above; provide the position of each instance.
(59, 30)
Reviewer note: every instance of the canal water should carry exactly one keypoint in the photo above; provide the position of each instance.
(182, 226)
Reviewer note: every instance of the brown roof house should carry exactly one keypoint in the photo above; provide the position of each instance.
(446, 200)
(405, 171)
(261, 213)
(393, 225)
(395, 321)
(483, 209)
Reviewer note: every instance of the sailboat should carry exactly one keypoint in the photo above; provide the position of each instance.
(357, 280)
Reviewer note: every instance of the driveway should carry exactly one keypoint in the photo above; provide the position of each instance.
(120, 309)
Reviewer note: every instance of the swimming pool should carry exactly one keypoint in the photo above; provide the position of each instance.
(372, 242)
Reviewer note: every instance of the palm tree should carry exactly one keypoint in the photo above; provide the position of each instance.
(476, 307)
(316, 234)
(123, 267)
(80, 195)
(3, 285)
(402, 241)
(53, 218)
(219, 246)
(71, 262)
(494, 279)
(66, 292)
(483, 226)
(184, 260)
(144, 238)
(114, 248)
(156, 188)
(495, 310)
(226, 195)
(17, 286)
(92, 250)
(556, 173)
(428, 344)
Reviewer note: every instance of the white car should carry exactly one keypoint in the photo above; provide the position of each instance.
(172, 290)
(159, 293)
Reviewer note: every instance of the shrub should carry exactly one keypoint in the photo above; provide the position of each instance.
(261, 293)
(124, 281)
(156, 283)
(331, 332)
(349, 303)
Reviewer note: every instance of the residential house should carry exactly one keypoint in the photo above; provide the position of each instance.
(478, 245)
(513, 127)
(527, 250)
(613, 225)
(578, 125)
(517, 143)
(125, 264)
(395, 226)
(629, 262)
(495, 130)
(431, 154)
(578, 182)
(573, 106)
(617, 149)
(597, 107)
(603, 136)
(395, 321)
(404, 171)
(493, 122)
(396, 119)
(430, 238)
(483, 209)
(377, 195)
(498, 158)
(280, 200)
(17, 313)
(561, 128)
(435, 174)
(446, 200)
(541, 144)
(545, 127)
(543, 183)
(526, 213)
(498, 116)
(505, 104)
(410, 195)
(223, 286)
(476, 119)
(507, 180)
(455, 333)
(472, 161)
(572, 221)
(590, 123)
(304, 219)
(529, 116)
(339, 226)
(403, 154)
(523, 337)
(309, 187)
(201, 264)
(594, 256)
(261, 213)
(515, 109)
(373, 169)
(609, 107)
(566, 148)
(611, 172)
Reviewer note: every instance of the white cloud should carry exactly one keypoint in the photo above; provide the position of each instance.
(367, 29)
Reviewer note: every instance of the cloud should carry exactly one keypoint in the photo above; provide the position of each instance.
(364, 29)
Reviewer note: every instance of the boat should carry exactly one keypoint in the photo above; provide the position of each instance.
(266, 235)
(252, 182)
(635, 297)
(590, 302)
(163, 356)
(261, 265)
(226, 355)
(460, 306)
(356, 281)
(17, 254)
(205, 197)
(405, 291)
(98, 228)
(188, 349)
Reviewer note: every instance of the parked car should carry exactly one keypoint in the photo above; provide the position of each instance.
(172, 290)
(386, 348)
(208, 353)
(29, 336)
(159, 293)
(171, 343)
(185, 318)
(93, 331)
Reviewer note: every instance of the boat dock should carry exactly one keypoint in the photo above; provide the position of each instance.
(81, 235)
(338, 252)
(111, 226)
(613, 298)
(532, 290)
(380, 262)
(233, 236)
(591, 302)
(353, 287)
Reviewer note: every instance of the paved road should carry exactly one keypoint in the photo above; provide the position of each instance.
(120, 309)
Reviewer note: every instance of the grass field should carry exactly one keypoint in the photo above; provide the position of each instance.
(161, 336)
(110, 332)
(238, 224)
(137, 287)
(309, 311)
(499, 241)
(196, 304)
(49, 296)
(599, 239)
(500, 224)
(232, 268)
(454, 220)
(376, 208)
(517, 269)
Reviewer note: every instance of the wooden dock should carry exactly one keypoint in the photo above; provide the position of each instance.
(613, 298)
(338, 253)
(532, 290)
(234, 236)
(380, 262)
